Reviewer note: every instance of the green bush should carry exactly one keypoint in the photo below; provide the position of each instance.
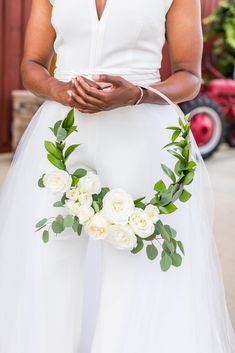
(221, 26)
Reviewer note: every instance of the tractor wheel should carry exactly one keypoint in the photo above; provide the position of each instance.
(230, 135)
(207, 123)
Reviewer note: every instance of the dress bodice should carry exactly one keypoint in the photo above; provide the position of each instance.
(126, 41)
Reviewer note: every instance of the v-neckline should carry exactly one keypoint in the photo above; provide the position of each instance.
(100, 19)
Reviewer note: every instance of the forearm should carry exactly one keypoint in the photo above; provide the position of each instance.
(180, 86)
(37, 79)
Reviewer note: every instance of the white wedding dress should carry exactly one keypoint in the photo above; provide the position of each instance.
(75, 295)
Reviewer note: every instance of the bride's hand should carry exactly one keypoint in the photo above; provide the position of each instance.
(90, 98)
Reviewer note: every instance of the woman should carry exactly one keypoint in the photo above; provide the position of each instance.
(52, 299)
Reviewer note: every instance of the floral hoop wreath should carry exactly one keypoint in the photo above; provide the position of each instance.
(113, 215)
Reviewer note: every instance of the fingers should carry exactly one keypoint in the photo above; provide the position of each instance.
(90, 95)
(115, 80)
(81, 102)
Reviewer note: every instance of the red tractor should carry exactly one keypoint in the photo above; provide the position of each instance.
(213, 115)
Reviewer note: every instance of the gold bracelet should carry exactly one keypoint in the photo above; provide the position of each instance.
(141, 95)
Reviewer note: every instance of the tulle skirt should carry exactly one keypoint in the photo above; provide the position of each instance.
(77, 295)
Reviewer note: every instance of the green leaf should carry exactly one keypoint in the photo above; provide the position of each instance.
(169, 246)
(152, 251)
(179, 167)
(60, 146)
(96, 206)
(56, 127)
(188, 178)
(41, 223)
(69, 120)
(191, 165)
(164, 232)
(168, 172)
(170, 208)
(170, 231)
(41, 183)
(166, 198)
(165, 262)
(52, 149)
(57, 227)
(139, 247)
(56, 162)
(185, 196)
(79, 173)
(70, 150)
(45, 236)
(175, 135)
(75, 180)
(77, 227)
(160, 186)
(173, 128)
(138, 203)
(177, 155)
(169, 145)
(68, 221)
(185, 151)
(58, 204)
(176, 259)
(181, 246)
(157, 227)
(61, 134)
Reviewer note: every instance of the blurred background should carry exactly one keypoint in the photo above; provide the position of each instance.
(212, 117)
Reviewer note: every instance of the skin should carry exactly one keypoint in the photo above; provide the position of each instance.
(87, 96)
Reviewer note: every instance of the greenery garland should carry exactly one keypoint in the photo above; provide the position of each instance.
(163, 236)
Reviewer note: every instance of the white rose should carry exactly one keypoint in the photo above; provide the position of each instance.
(152, 212)
(97, 227)
(89, 184)
(122, 237)
(141, 224)
(58, 181)
(84, 213)
(85, 199)
(118, 205)
(72, 207)
(72, 194)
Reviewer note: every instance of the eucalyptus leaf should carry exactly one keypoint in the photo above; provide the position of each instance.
(165, 262)
(41, 183)
(57, 227)
(176, 259)
(152, 251)
(68, 221)
(139, 247)
(61, 134)
(181, 247)
(56, 127)
(45, 236)
(41, 223)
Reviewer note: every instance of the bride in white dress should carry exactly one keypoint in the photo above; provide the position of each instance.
(75, 295)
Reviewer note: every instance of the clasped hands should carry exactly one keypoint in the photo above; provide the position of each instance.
(90, 96)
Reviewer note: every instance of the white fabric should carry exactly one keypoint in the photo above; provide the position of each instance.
(78, 296)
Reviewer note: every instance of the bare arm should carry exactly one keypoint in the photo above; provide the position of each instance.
(184, 37)
(38, 52)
